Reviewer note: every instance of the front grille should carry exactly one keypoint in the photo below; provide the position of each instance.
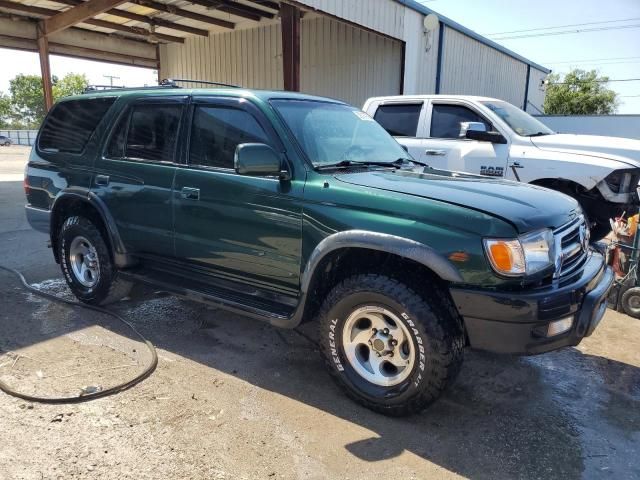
(571, 254)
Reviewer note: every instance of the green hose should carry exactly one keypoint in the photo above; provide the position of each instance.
(93, 395)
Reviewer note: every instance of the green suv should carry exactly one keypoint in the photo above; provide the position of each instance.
(290, 208)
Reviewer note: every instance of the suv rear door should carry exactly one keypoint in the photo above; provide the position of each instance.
(445, 149)
(236, 227)
(134, 176)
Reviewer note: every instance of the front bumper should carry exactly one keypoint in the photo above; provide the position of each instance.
(510, 322)
(38, 218)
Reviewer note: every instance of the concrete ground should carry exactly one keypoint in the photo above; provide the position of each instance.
(236, 399)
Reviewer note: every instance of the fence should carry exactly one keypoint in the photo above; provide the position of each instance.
(609, 125)
(20, 137)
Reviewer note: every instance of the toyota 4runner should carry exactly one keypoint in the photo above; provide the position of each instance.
(290, 208)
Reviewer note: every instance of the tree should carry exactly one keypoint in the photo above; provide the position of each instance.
(26, 97)
(27, 101)
(5, 110)
(70, 84)
(579, 93)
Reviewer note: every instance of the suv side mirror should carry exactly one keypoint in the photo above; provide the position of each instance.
(478, 131)
(258, 159)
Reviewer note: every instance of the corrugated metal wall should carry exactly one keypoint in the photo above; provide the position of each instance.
(472, 68)
(384, 16)
(251, 58)
(537, 93)
(336, 60)
(348, 63)
(421, 56)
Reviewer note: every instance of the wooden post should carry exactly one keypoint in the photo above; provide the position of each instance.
(290, 18)
(45, 70)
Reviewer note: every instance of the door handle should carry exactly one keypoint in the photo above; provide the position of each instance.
(436, 153)
(190, 193)
(102, 180)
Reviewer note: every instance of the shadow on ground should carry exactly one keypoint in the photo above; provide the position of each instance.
(561, 415)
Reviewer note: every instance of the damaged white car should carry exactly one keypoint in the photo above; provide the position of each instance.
(494, 138)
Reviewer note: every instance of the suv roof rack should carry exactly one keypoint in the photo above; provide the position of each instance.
(171, 82)
(121, 88)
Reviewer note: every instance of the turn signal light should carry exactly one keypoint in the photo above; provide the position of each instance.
(506, 256)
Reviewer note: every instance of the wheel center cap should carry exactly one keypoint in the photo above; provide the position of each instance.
(378, 345)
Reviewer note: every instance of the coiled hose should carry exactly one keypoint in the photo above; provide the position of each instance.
(93, 395)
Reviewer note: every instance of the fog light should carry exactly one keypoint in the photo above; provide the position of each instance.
(559, 326)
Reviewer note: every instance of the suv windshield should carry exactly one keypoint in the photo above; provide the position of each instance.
(521, 122)
(330, 133)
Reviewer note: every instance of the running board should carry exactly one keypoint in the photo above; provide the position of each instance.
(276, 314)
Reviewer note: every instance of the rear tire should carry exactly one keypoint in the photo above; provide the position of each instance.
(631, 302)
(87, 265)
(361, 319)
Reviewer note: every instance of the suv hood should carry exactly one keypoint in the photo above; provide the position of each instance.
(526, 207)
(624, 150)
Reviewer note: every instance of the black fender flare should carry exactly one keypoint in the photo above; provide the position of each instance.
(400, 246)
(120, 256)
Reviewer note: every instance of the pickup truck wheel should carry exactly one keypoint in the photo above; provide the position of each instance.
(86, 263)
(390, 349)
(631, 302)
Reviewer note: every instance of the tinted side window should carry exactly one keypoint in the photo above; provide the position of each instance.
(70, 124)
(399, 120)
(152, 132)
(115, 149)
(217, 131)
(446, 119)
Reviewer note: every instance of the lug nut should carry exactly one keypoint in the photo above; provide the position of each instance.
(386, 331)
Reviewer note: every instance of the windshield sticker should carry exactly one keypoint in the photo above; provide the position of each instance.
(362, 116)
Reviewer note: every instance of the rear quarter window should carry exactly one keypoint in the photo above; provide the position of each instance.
(70, 124)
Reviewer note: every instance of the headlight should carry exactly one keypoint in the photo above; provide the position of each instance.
(525, 255)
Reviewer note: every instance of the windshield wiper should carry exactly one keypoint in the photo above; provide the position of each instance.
(538, 134)
(366, 163)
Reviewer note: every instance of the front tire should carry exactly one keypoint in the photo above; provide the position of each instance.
(86, 263)
(390, 349)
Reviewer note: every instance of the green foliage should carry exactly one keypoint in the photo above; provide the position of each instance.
(5, 110)
(70, 84)
(27, 101)
(579, 93)
(24, 106)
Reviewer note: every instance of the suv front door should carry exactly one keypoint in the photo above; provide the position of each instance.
(236, 227)
(135, 174)
(446, 150)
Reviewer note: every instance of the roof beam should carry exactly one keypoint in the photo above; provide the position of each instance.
(77, 14)
(47, 12)
(162, 7)
(238, 9)
(159, 22)
(267, 4)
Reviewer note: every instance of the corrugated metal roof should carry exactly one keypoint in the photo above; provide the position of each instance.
(470, 33)
(172, 11)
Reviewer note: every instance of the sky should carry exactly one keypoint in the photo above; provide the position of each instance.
(608, 51)
(15, 62)
(561, 53)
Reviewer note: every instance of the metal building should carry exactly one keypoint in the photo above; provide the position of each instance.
(346, 49)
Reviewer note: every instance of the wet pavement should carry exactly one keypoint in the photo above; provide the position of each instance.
(234, 398)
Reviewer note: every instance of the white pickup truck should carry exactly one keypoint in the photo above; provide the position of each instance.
(492, 137)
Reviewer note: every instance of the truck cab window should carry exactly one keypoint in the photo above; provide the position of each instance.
(400, 120)
(446, 120)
